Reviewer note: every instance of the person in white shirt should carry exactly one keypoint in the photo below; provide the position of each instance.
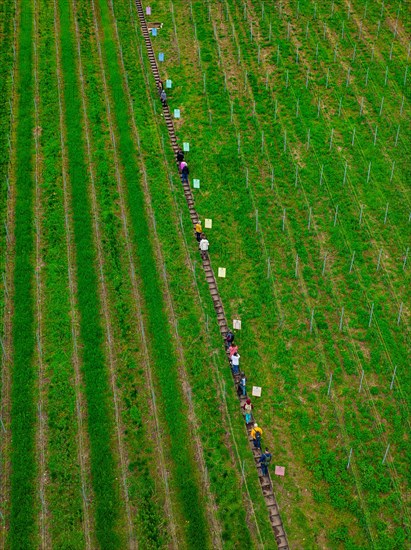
(235, 363)
(204, 244)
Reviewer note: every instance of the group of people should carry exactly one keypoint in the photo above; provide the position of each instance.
(256, 431)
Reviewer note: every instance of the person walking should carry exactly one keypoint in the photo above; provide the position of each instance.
(242, 385)
(180, 156)
(247, 408)
(229, 339)
(265, 460)
(198, 230)
(184, 172)
(163, 97)
(256, 434)
(232, 349)
(235, 363)
(204, 245)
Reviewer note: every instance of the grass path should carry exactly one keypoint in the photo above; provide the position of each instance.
(83, 438)
(8, 123)
(183, 467)
(41, 432)
(99, 418)
(23, 412)
(110, 341)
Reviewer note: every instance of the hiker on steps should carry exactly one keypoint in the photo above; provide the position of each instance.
(229, 339)
(179, 157)
(204, 244)
(256, 434)
(184, 171)
(235, 363)
(265, 460)
(241, 389)
(248, 408)
(232, 349)
(163, 97)
(198, 230)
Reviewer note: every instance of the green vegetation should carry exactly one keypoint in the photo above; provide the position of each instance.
(296, 114)
(94, 369)
(64, 488)
(23, 413)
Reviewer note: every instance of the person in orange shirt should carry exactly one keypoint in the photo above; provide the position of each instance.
(198, 230)
(256, 434)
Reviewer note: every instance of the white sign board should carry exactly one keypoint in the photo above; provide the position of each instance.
(196, 184)
(168, 83)
(186, 146)
(256, 391)
(237, 324)
(208, 223)
(176, 113)
(148, 10)
(221, 271)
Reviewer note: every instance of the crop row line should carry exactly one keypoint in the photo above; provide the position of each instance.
(110, 343)
(8, 291)
(42, 432)
(83, 453)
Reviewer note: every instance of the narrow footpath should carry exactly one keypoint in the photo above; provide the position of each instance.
(265, 481)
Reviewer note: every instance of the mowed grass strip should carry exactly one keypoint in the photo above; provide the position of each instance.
(64, 484)
(100, 425)
(23, 413)
(183, 467)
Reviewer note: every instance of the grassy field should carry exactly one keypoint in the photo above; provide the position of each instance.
(120, 424)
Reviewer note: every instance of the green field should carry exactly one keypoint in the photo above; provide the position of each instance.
(120, 424)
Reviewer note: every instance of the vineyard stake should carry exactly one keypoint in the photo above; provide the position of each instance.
(341, 319)
(349, 459)
(296, 266)
(309, 218)
(386, 452)
(321, 174)
(362, 378)
(345, 172)
(283, 219)
(379, 260)
(366, 76)
(386, 212)
(405, 259)
(397, 136)
(375, 135)
(371, 312)
(324, 263)
(308, 138)
(369, 172)
(399, 313)
(335, 215)
(268, 268)
(393, 378)
(353, 137)
(329, 385)
(296, 175)
(361, 212)
(352, 261)
(312, 320)
(339, 106)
